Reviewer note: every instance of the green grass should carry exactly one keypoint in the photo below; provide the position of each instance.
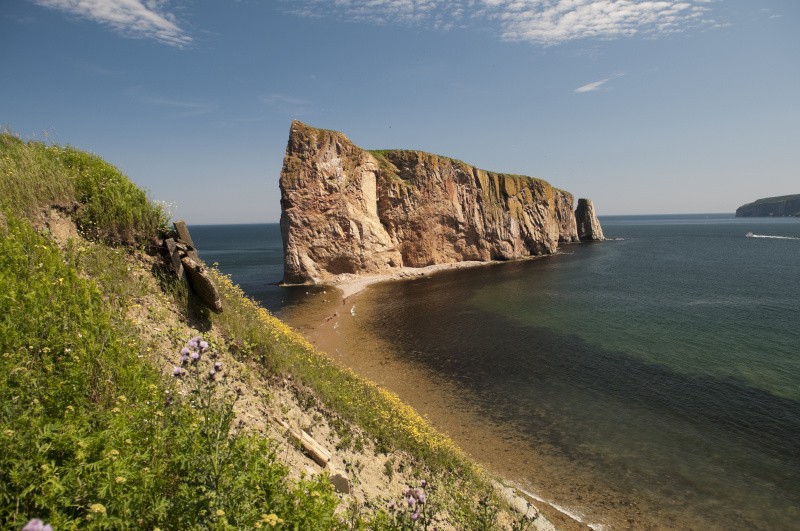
(111, 206)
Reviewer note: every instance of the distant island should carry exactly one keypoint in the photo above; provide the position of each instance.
(783, 206)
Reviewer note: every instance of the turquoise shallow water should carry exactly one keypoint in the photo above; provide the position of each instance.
(666, 362)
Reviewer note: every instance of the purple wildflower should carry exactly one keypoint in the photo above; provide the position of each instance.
(176, 371)
(203, 345)
(391, 506)
(212, 372)
(184, 359)
(415, 515)
(195, 356)
(423, 483)
(422, 497)
(185, 351)
(411, 501)
(37, 525)
(218, 365)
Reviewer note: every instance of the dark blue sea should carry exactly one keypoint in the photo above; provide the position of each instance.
(649, 382)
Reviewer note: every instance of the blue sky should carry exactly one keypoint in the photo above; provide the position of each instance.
(646, 107)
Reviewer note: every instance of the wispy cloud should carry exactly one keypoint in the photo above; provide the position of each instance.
(597, 85)
(287, 104)
(544, 22)
(179, 108)
(148, 19)
(94, 68)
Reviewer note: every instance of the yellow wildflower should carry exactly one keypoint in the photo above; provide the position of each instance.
(272, 520)
(97, 508)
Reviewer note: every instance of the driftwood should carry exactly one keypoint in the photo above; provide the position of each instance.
(185, 238)
(312, 447)
(202, 284)
(175, 256)
(187, 266)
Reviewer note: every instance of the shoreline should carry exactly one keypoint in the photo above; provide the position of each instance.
(350, 284)
(329, 329)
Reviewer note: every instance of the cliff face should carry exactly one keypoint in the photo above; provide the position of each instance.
(345, 210)
(783, 206)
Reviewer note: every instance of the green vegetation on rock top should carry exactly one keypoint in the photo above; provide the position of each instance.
(775, 199)
(382, 155)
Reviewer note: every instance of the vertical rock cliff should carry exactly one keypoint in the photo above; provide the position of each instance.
(588, 225)
(346, 210)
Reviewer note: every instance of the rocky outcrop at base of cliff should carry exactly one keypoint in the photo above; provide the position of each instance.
(783, 206)
(349, 211)
(588, 225)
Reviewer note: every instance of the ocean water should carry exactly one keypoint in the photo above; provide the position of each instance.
(252, 255)
(652, 381)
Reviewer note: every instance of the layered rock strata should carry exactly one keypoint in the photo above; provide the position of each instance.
(346, 210)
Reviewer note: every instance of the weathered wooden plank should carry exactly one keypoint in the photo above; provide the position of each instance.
(315, 450)
(175, 256)
(202, 284)
(186, 238)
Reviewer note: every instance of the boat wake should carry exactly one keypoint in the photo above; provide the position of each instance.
(751, 235)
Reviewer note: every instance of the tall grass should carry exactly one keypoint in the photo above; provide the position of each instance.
(110, 206)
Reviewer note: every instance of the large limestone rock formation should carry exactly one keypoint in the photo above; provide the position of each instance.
(346, 210)
(588, 225)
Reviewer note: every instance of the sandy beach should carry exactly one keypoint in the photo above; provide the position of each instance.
(350, 284)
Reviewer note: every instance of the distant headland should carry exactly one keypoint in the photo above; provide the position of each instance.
(782, 206)
(347, 211)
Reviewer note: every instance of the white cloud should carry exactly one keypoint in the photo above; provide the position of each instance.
(545, 22)
(178, 107)
(597, 85)
(286, 104)
(131, 18)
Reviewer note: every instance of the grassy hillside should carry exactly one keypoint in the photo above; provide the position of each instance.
(121, 398)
